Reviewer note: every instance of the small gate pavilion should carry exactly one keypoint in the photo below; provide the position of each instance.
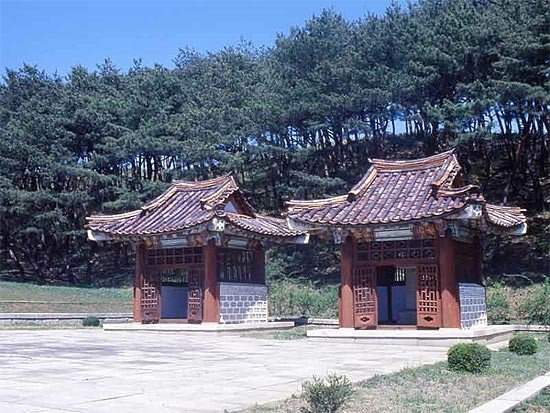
(199, 253)
(410, 243)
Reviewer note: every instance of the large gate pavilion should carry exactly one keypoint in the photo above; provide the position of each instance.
(200, 253)
(410, 243)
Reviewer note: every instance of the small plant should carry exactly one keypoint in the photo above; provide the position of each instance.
(91, 321)
(523, 344)
(326, 395)
(470, 357)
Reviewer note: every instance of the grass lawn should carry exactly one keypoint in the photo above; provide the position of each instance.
(539, 404)
(32, 298)
(434, 388)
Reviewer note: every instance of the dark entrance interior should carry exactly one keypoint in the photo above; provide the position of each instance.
(396, 292)
(174, 293)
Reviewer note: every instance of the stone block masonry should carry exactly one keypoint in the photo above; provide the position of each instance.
(243, 303)
(473, 309)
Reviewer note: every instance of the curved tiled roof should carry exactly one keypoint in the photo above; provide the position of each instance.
(188, 204)
(400, 191)
(503, 216)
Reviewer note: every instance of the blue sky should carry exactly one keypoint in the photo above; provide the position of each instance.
(58, 34)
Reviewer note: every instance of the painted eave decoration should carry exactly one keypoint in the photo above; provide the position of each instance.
(185, 208)
(392, 193)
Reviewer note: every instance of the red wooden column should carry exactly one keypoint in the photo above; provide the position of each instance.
(259, 264)
(211, 310)
(141, 267)
(477, 255)
(345, 302)
(450, 306)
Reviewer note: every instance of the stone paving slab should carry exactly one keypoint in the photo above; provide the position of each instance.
(513, 398)
(128, 371)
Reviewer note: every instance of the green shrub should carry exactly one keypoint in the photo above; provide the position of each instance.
(301, 298)
(523, 344)
(498, 309)
(470, 357)
(326, 395)
(536, 307)
(91, 322)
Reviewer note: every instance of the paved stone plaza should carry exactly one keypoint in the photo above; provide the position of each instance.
(97, 371)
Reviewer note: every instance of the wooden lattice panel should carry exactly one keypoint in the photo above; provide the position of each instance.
(150, 298)
(416, 249)
(365, 308)
(235, 265)
(194, 304)
(428, 296)
(174, 256)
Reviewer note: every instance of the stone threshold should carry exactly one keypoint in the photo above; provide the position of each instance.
(203, 327)
(443, 337)
(510, 400)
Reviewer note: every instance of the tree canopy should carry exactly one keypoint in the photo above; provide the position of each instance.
(296, 120)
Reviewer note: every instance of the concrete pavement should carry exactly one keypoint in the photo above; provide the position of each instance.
(99, 371)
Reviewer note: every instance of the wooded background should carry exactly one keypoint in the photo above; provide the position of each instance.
(298, 120)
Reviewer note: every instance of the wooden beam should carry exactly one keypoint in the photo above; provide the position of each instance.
(211, 303)
(345, 302)
(477, 254)
(259, 264)
(450, 305)
(141, 266)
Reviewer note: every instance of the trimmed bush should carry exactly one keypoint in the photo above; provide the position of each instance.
(91, 322)
(523, 344)
(326, 395)
(470, 357)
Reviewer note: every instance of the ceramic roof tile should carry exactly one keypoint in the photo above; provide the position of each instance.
(188, 204)
(400, 191)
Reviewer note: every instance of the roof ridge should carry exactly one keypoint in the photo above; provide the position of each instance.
(205, 183)
(316, 202)
(412, 164)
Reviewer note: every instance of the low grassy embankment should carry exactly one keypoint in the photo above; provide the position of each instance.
(435, 388)
(539, 404)
(32, 298)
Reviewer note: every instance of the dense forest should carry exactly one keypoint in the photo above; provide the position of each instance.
(296, 120)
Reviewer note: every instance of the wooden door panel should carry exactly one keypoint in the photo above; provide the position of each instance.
(365, 302)
(428, 296)
(150, 297)
(195, 299)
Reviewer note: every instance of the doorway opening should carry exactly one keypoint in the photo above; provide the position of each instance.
(396, 292)
(174, 293)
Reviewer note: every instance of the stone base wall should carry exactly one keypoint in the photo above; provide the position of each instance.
(50, 319)
(243, 303)
(473, 309)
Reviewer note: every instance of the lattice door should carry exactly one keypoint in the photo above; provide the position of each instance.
(150, 297)
(194, 306)
(365, 306)
(428, 297)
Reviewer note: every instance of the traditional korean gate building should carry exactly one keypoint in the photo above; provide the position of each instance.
(410, 243)
(200, 253)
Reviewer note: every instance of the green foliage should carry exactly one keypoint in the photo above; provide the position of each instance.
(298, 120)
(326, 395)
(498, 309)
(91, 321)
(536, 306)
(294, 298)
(523, 344)
(469, 357)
